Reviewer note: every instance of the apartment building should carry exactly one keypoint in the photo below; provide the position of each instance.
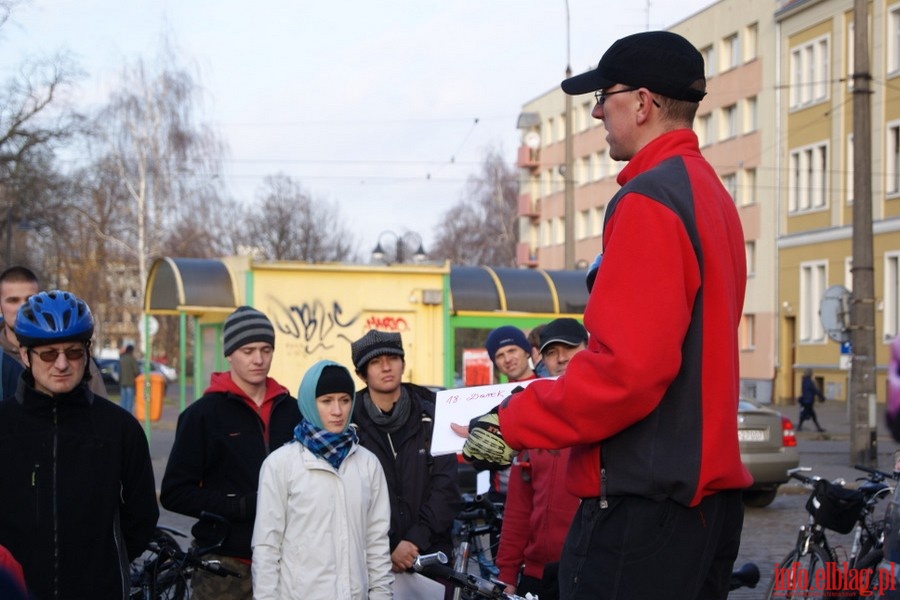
(734, 126)
(815, 93)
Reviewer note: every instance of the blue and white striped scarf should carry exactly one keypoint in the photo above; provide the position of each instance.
(333, 447)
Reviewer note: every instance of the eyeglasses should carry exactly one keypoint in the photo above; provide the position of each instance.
(50, 356)
(601, 96)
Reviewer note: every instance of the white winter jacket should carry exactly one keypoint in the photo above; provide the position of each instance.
(321, 533)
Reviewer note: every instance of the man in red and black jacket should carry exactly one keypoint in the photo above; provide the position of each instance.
(650, 408)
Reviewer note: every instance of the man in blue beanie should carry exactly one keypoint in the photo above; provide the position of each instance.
(509, 350)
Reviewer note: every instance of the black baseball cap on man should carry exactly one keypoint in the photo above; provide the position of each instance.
(661, 61)
(565, 330)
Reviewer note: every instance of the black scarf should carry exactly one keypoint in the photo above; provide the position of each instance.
(392, 421)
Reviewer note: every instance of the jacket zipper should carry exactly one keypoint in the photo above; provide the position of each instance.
(603, 501)
(53, 489)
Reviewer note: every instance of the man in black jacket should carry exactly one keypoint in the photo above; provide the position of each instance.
(76, 482)
(395, 422)
(220, 444)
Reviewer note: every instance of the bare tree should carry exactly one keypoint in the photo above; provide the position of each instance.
(481, 228)
(288, 224)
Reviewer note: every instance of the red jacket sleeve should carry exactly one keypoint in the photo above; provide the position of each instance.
(637, 316)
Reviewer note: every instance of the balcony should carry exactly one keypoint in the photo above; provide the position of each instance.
(529, 208)
(528, 158)
(526, 256)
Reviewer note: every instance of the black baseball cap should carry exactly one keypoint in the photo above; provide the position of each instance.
(565, 330)
(661, 61)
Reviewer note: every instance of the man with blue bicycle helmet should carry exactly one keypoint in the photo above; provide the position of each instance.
(78, 495)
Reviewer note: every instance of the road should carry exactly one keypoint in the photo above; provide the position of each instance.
(768, 534)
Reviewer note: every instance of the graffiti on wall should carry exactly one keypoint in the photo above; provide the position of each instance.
(319, 325)
(386, 323)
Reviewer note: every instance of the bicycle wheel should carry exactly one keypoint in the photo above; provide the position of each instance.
(806, 577)
(171, 584)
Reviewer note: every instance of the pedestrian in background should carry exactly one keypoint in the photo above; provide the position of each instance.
(220, 444)
(128, 372)
(809, 391)
(17, 284)
(539, 509)
(322, 525)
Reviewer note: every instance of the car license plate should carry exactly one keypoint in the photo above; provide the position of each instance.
(753, 435)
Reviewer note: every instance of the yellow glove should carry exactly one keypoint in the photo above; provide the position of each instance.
(484, 447)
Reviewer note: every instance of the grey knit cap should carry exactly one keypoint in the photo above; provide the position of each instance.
(374, 344)
(244, 326)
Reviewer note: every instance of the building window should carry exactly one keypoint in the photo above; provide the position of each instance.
(809, 73)
(730, 183)
(602, 166)
(586, 109)
(704, 128)
(709, 60)
(813, 276)
(586, 169)
(561, 126)
(597, 222)
(729, 122)
(892, 160)
(808, 178)
(545, 233)
(893, 40)
(747, 191)
(731, 52)
(751, 117)
(891, 295)
(750, 249)
(751, 41)
(748, 332)
(582, 224)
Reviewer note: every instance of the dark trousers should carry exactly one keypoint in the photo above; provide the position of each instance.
(639, 549)
(546, 588)
(807, 412)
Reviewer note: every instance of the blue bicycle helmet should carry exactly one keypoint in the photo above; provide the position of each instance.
(53, 317)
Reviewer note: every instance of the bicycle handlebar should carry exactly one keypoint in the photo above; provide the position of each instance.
(436, 564)
(878, 475)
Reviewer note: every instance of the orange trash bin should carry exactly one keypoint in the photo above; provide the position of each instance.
(157, 392)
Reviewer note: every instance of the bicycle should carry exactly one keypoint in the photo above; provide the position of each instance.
(478, 532)
(164, 571)
(474, 587)
(812, 569)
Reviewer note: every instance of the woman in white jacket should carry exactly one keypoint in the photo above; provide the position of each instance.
(323, 513)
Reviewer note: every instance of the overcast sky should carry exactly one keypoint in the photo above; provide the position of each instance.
(383, 107)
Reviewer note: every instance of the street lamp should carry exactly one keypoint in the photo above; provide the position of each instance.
(402, 245)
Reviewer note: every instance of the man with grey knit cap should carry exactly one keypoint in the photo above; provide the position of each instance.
(395, 422)
(220, 444)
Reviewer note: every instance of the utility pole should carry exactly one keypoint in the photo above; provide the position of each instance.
(568, 174)
(863, 440)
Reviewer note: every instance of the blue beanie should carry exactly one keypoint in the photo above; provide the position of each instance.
(506, 336)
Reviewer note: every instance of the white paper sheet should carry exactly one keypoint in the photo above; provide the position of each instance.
(462, 405)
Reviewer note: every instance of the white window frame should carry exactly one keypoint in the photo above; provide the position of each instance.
(892, 158)
(813, 282)
(750, 250)
(893, 40)
(729, 180)
(849, 171)
(808, 178)
(748, 187)
(751, 114)
(810, 72)
(748, 332)
(729, 121)
(751, 41)
(891, 312)
(731, 52)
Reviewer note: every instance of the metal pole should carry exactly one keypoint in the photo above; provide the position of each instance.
(568, 174)
(863, 440)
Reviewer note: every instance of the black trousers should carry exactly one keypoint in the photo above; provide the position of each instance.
(638, 549)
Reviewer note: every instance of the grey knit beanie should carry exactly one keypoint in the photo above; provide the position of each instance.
(244, 326)
(374, 344)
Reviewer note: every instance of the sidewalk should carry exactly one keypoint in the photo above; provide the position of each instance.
(827, 454)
